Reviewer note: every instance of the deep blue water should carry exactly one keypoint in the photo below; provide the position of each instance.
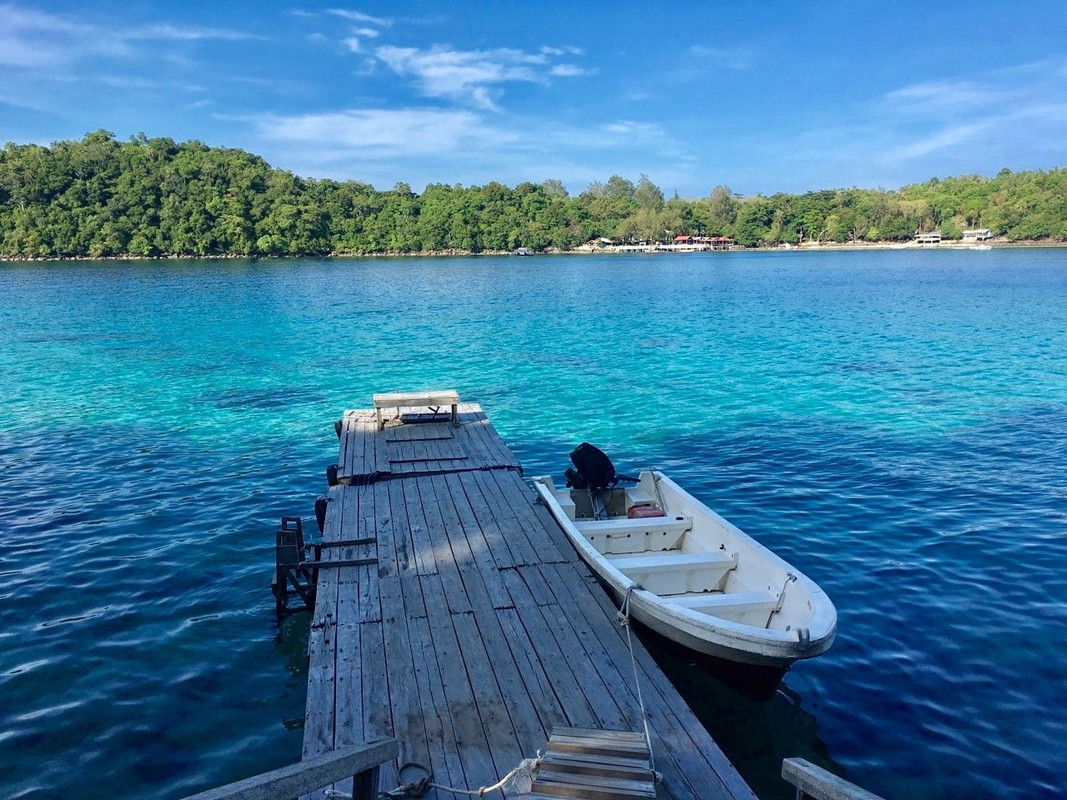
(892, 422)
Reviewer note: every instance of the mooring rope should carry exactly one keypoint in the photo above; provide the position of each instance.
(526, 768)
(624, 621)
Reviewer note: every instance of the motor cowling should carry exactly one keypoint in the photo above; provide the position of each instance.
(592, 469)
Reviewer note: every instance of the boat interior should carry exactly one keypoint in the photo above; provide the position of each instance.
(640, 536)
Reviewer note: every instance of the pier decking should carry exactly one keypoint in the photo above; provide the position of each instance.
(478, 631)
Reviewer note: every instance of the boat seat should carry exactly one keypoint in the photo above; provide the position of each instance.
(634, 535)
(635, 497)
(674, 572)
(749, 608)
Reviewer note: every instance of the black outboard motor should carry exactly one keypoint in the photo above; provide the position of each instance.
(592, 469)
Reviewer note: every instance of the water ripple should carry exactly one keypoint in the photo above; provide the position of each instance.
(889, 422)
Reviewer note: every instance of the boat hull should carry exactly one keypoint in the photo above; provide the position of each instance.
(757, 682)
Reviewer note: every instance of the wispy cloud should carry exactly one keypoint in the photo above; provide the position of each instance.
(175, 33)
(355, 42)
(978, 123)
(358, 16)
(424, 145)
(936, 98)
(946, 138)
(471, 76)
(382, 133)
(727, 57)
(33, 39)
(569, 71)
(991, 108)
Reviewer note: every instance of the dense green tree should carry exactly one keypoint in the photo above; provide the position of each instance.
(647, 195)
(156, 197)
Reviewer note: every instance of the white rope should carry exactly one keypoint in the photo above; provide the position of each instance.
(524, 773)
(624, 621)
(527, 767)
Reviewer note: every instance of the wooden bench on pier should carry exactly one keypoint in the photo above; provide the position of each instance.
(432, 400)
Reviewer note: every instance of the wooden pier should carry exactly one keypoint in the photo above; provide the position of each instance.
(475, 632)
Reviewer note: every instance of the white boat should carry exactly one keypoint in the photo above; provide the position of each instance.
(691, 576)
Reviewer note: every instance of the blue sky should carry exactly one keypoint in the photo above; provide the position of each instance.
(758, 96)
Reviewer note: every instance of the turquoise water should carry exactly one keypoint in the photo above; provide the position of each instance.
(892, 422)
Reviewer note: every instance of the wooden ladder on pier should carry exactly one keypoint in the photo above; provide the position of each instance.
(594, 765)
(297, 565)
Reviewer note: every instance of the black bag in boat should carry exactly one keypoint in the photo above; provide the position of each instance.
(592, 469)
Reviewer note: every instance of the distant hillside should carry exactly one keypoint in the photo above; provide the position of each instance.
(154, 197)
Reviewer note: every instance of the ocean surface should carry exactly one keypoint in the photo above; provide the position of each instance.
(892, 422)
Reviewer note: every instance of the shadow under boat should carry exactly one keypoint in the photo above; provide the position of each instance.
(755, 718)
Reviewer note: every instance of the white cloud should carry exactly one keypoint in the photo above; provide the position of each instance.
(34, 39)
(562, 51)
(944, 139)
(38, 40)
(938, 98)
(568, 71)
(423, 146)
(174, 33)
(989, 113)
(638, 130)
(471, 75)
(358, 16)
(355, 42)
(378, 133)
(729, 57)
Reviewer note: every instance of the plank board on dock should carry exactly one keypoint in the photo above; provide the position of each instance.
(478, 631)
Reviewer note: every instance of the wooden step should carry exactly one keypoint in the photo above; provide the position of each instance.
(595, 765)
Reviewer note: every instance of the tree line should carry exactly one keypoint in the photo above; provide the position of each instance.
(101, 197)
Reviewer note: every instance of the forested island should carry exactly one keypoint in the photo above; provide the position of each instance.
(100, 197)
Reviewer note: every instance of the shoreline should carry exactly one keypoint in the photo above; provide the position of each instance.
(580, 250)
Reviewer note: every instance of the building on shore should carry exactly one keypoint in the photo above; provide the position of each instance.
(707, 242)
(932, 237)
(978, 235)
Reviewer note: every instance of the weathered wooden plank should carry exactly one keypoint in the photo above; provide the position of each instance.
(421, 540)
(405, 705)
(469, 544)
(377, 709)
(441, 514)
(487, 445)
(818, 784)
(486, 639)
(538, 684)
(512, 521)
(408, 433)
(484, 515)
(388, 558)
(403, 540)
(458, 696)
(554, 662)
(322, 647)
(424, 449)
(296, 779)
(537, 525)
(492, 710)
(349, 690)
(441, 742)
